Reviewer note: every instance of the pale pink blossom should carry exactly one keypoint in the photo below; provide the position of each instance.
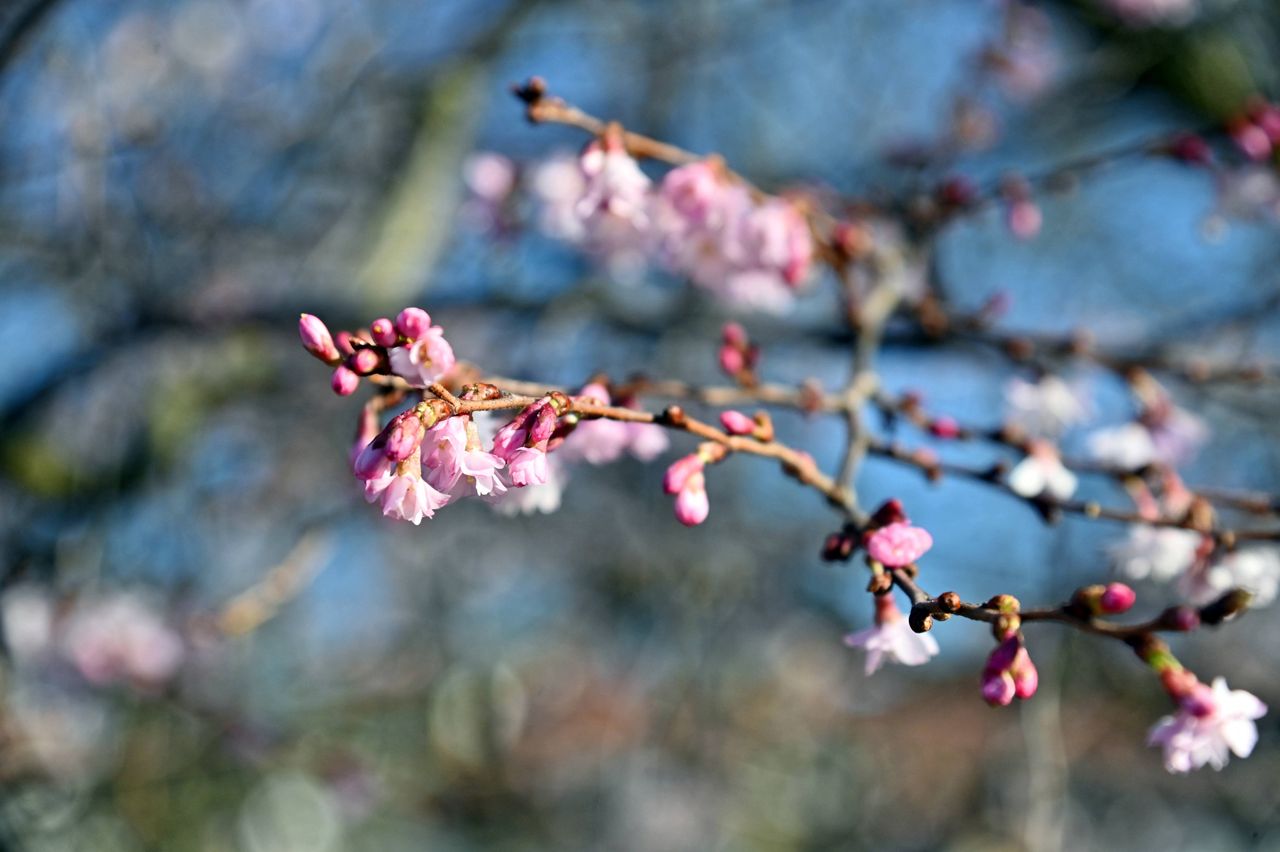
(898, 544)
(120, 637)
(1128, 446)
(1254, 569)
(527, 466)
(1176, 434)
(489, 177)
(1158, 553)
(1042, 473)
(408, 497)
(646, 441)
(425, 360)
(558, 183)
(1211, 724)
(543, 498)
(892, 639)
(1044, 408)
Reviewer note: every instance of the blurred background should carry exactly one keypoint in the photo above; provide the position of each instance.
(178, 180)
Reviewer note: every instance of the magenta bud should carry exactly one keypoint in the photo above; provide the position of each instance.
(403, 435)
(737, 423)
(1182, 618)
(316, 338)
(1268, 118)
(383, 332)
(1005, 654)
(1117, 598)
(344, 382)
(544, 425)
(1026, 679)
(678, 474)
(363, 362)
(732, 361)
(1198, 701)
(1252, 141)
(890, 512)
(734, 335)
(413, 323)
(998, 688)
(343, 340)
(945, 427)
(957, 192)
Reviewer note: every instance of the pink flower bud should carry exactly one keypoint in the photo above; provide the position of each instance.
(1024, 219)
(1026, 679)
(343, 340)
(898, 544)
(384, 333)
(404, 435)
(316, 338)
(363, 362)
(945, 427)
(1268, 118)
(737, 423)
(372, 460)
(890, 512)
(692, 505)
(678, 474)
(413, 323)
(998, 688)
(734, 335)
(344, 382)
(544, 424)
(1117, 598)
(1199, 701)
(1182, 618)
(732, 361)
(1252, 141)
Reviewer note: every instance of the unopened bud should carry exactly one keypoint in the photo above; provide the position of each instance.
(316, 338)
(364, 362)
(1117, 598)
(737, 423)
(949, 601)
(344, 381)
(383, 332)
(1180, 618)
(920, 620)
(1226, 607)
(413, 323)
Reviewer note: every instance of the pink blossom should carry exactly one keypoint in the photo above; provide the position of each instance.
(898, 544)
(1254, 569)
(1211, 724)
(489, 177)
(425, 360)
(775, 237)
(1044, 408)
(1160, 553)
(527, 466)
(1176, 434)
(646, 441)
(558, 183)
(121, 638)
(694, 194)
(480, 471)
(1024, 218)
(678, 473)
(408, 497)
(442, 448)
(597, 441)
(544, 498)
(1127, 447)
(892, 639)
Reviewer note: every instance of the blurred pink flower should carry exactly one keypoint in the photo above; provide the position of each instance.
(1211, 724)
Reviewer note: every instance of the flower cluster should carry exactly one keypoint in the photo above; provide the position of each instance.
(430, 454)
(700, 221)
(1211, 724)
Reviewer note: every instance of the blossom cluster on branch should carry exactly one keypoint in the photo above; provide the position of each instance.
(437, 429)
